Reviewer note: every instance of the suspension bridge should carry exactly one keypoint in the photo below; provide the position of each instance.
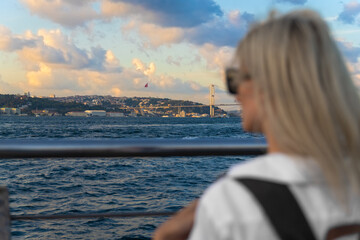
(211, 105)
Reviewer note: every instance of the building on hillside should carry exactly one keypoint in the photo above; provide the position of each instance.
(95, 113)
(115, 114)
(5, 110)
(15, 111)
(181, 114)
(76, 114)
(10, 111)
(40, 112)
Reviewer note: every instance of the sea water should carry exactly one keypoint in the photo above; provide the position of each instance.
(102, 185)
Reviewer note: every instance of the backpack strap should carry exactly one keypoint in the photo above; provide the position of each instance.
(281, 208)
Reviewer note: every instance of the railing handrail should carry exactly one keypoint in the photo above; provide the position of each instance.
(107, 148)
(90, 215)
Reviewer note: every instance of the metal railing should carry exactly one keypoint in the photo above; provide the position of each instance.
(10, 149)
(26, 149)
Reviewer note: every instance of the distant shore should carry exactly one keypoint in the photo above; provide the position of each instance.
(94, 105)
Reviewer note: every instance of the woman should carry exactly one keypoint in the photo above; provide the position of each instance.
(294, 87)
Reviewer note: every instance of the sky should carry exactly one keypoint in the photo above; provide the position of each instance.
(115, 47)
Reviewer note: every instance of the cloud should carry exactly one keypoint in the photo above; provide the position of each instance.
(6, 87)
(166, 13)
(10, 42)
(140, 66)
(216, 58)
(56, 79)
(159, 84)
(72, 82)
(68, 70)
(145, 73)
(222, 32)
(350, 12)
(352, 58)
(52, 60)
(351, 52)
(116, 92)
(219, 32)
(53, 63)
(54, 49)
(155, 34)
(160, 21)
(112, 64)
(40, 77)
(169, 85)
(65, 12)
(295, 2)
(174, 61)
(357, 81)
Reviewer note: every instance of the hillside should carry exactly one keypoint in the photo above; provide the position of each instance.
(126, 105)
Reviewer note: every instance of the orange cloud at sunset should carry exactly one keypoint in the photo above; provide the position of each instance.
(113, 47)
(40, 78)
(140, 66)
(156, 35)
(217, 58)
(67, 13)
(114, 9)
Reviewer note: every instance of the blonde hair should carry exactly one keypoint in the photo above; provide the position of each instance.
(308, 97)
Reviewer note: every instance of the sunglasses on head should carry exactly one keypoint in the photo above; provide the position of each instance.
(234, 77)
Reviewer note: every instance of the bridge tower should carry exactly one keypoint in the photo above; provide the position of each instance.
(212, 100)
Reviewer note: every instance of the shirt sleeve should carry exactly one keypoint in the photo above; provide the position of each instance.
(204, 228)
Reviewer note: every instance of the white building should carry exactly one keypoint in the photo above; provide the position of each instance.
(181, 114)
(76, 114)
(5, 110)
(12, 111)
(115, 114)
(95, 113)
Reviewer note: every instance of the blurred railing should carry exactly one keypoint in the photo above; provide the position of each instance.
(105, 148)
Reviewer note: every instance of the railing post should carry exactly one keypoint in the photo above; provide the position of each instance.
(5, 232)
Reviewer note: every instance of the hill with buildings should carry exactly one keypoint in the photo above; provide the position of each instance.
(102, 105)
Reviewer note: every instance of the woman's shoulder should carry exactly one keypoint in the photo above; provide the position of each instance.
(227, 196)
(230, 207)
(218, 198)
(277, 167)
(272, 167)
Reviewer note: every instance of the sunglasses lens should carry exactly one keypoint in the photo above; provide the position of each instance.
(231, 80)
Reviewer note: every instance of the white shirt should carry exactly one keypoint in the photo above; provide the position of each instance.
(228, 211)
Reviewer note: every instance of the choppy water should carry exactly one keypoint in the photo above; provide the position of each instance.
(65, 186)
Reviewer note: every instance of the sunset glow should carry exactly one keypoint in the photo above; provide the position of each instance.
(116, 47)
